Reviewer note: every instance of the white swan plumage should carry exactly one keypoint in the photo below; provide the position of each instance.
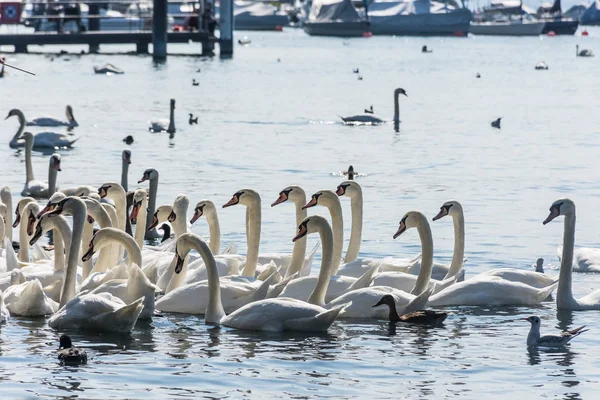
(54, 122)
(164, 125)
(35, 188)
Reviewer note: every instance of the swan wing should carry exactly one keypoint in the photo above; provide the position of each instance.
(530, 278)
(52, 140)
(28, 299)
(47, 121)
(362, 119)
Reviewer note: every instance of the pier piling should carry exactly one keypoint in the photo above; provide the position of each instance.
(226, 28)
(159, 30)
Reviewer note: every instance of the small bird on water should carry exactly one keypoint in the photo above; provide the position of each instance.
(478, 75)
(193, 120)
(496, 123)
(128, 139)
(539, 265)
(427, 317)
(69, 354)
(534, 338)
(350, 173)
(356, 70)
(369, 110)
(194, 83)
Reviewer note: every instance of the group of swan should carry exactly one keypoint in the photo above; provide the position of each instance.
(113, 283)
(44, 140)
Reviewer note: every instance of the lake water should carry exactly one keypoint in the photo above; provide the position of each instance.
(266, 124)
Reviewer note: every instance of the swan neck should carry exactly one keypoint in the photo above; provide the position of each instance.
(356, 205)
(69, 284)
(426, 258)
(393, 313)
(124, 175)
(28, 165)
(151, 206)
(140, 228)
(459, 246)
(564, 294)
(214, 308)
(396, 107)
(23, 239)
(22, 122)
(172, 119)
(337, 224)
(253, 226)
(317, 297)
(62, 242)
(52, 173)
(299, 249)
(7, 200)
(88, 265)
(215, 232)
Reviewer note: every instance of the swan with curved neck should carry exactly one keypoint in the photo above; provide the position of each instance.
(353, 190)
(104, 313)
(270, 314)
(125, 162)
(22, 212)
(373, 119)
(140, 204)
(455, 210)
(42, 140)
(165, 125)
(151, 175)
(39, 189)
(564, 294)
(6, 198)
(54, 122)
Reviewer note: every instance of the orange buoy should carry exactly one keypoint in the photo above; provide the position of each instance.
(367, 34)
(279, 28)
(458, 34)
(585, 33)
(551, 33)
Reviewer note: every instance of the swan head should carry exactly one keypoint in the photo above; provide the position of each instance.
(293, 193)
(348, 188)
(539, 265)
(400, 91)
(244, 197)
(30, 211)
(310, 225)
(28, 136)
(55, 161)
(161, 214)
(322, 197)
(560, 207)
(451, 208)
(180, 206)
(185, 243)
(172, 104)
(534, 320)
(19, 210)
(411, 219)
(139, 198)
(16, 112)
(149, 174)
(387, 299)
(39, 230)
(203, 207)
(110, 188)
(126, 156)
(68, 205)
(166, 228)
(52, 202)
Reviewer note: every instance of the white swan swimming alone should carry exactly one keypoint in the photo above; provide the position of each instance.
(41, 140)
(273, 315)
(164, 125)
(54, 122)
(35, 188)
(564, 294)
(373, 119)
(99, 312)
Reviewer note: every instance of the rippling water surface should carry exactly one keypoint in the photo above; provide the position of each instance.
(265, 124)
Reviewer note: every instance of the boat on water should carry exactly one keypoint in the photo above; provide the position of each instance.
(335, 18)
(418, 18)
(254, 16)
(555, 20)
(506, 18)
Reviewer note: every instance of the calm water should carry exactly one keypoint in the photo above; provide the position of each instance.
(265, 124)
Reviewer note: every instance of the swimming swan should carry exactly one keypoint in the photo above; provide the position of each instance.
(564, 294)
(373, 119)
(39, 189)
(54, 122)
(102, 312)
(42, 140)
(165, 125)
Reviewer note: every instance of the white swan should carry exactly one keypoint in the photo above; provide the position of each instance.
(102, 312)
(4, 313)
(28, 299)
(564, 294)
(54, 122)
(271, 315)
(42, 140)
(34, 188)
(373, 119)
(455, 210)
(137, 284)
(164, 125)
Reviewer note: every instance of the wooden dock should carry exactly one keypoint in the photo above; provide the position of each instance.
(95, 38)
